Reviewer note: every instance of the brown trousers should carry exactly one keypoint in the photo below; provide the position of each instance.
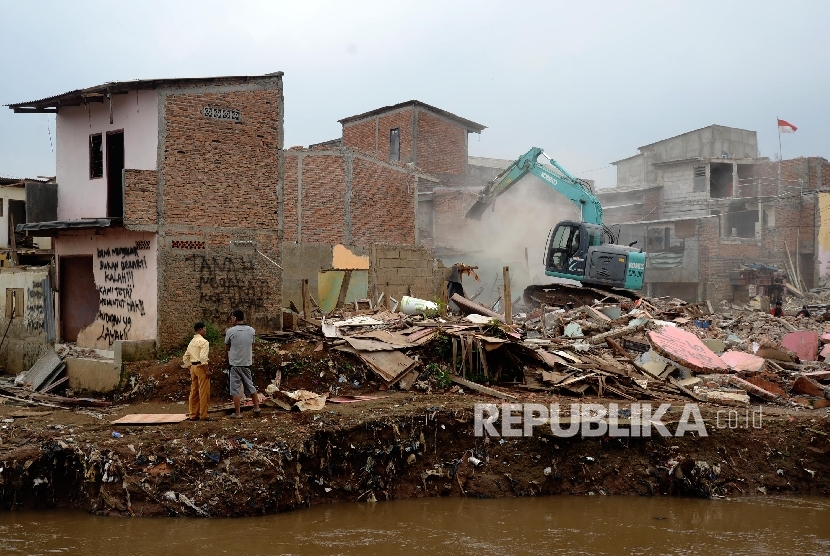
(199, 392)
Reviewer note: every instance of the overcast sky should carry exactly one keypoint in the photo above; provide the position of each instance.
(589, 83)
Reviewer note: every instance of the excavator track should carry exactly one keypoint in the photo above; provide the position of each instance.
(559, 295)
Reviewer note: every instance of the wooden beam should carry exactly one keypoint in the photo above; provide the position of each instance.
(482, 389)
(508, 301)
(306, 300)
(34, 110)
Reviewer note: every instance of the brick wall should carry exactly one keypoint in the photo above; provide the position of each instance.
(220, 181)
(290, 196)
(382, 204)
(442, 145)
(140, 198)
(347, 198)
(361, 136)
(371, 136)
(323, 207)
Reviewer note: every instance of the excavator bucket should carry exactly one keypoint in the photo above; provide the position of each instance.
(477, 210)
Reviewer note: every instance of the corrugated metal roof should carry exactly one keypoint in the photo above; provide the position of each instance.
(469, 124)
(98, 92)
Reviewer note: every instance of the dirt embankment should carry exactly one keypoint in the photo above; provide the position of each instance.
(403, 444)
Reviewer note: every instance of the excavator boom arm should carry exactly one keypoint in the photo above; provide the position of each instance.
(572, 188)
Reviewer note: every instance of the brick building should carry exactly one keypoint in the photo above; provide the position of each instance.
(177, 202)
(702, 204)
(167, 189)
(423, 137)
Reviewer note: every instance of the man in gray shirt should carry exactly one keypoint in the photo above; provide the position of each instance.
(239, 342)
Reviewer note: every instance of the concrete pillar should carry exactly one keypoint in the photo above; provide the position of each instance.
(735, 179)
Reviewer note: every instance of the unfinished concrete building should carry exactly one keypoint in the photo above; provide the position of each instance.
(703, 204)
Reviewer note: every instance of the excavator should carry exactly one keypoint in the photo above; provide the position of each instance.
(585, 251)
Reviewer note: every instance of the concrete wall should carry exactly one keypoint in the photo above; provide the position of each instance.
(402, 267)
(134, 112)
(823, 250)
(398, 270)
(708, 142)
(631, 172)
(26, 338)
(16, 194)
(126, 271)
(679, 200)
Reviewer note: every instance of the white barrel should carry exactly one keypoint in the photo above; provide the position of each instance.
(413, 305)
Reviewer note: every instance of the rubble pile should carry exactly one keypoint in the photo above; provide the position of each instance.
(649, 348)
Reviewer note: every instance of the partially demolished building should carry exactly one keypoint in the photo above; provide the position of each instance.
(704, 206)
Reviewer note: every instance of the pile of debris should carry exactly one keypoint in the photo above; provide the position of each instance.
(38, 385)
(649, 348)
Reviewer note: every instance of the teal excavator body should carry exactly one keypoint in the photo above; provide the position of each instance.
(584, 251)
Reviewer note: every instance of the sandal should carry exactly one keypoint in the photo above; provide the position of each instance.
(236, 416)
(257, 411)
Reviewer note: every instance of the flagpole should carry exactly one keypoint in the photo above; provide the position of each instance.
(779, 154)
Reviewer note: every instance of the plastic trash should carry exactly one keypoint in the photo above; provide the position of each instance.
(116, 434)
(413, 305)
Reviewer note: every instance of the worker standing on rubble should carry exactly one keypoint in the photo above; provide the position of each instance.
(239, 344)
(196, 359)
(777, 311)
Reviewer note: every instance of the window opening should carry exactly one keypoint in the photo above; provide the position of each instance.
(720, 180)
(394, 144)
(741, 221)
(14, 303)
(700, 179)
(96, 156)
(115, 174)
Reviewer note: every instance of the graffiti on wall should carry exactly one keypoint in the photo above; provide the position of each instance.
(119, 304)
(34, 315)
(227, 283)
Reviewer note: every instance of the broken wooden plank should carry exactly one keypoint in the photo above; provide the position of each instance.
(482, 389)
(469, 306)
(151, 419)
(599, 338)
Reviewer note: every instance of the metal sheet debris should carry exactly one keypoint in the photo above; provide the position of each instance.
(41, 371)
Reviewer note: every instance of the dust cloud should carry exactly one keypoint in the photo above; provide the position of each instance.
(520, 219)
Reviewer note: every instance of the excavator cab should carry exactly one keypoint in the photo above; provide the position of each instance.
(585, 252)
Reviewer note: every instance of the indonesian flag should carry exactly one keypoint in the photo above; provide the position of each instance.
(785, 126)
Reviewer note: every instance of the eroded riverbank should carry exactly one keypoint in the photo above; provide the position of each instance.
(396, 447)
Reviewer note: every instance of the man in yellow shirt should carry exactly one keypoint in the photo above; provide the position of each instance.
(196, 359)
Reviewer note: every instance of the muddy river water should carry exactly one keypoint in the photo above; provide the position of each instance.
(553, 525)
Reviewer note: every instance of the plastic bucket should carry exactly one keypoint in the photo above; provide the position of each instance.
(413, 305)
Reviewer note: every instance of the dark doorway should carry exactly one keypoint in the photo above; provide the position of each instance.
(115, 174)
(17, 215)
(78, 296)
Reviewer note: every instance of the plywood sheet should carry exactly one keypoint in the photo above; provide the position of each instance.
(150, 419)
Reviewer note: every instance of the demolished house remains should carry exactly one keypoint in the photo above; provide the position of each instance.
(175, 201)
